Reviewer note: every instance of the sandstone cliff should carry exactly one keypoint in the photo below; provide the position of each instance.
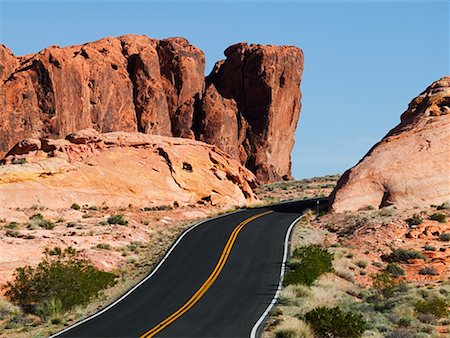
(249, 105)
(410, 166)
(118, 168)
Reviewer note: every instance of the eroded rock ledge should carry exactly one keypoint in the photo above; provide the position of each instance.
(249, 105)
(120, 168)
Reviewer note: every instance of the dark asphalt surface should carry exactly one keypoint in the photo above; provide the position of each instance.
(233, 304)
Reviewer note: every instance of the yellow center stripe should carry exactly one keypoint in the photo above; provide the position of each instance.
(207, 284)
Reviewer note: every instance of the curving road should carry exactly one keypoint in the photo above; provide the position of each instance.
(218, 280)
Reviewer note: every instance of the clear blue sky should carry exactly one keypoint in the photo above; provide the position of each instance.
(364, 61)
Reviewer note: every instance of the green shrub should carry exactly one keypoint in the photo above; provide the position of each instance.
(428, 270)
(40, 221)
(402, 256)
(12, 225)
(104, 246)
(434, 306)
(385, 283)
(414, 220)
(429, 248)
(63, 275)
(309, 263)
(362, 263)
(333, 322)
(117, 219)
(395, 270)
(445, 237)
(438, 217)
(75, 206)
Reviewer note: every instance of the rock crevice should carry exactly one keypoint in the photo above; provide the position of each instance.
(135, 83)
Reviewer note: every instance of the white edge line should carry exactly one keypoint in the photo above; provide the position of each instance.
(280, 284)
(146, 278)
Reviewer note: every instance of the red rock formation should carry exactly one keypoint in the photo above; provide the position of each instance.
(256, 91)
(249, 106)
(119, 168)
(410, 166)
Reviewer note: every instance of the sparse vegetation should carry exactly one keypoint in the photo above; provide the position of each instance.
(445, 237)
(362, 263)
(428, 270)
(435, 306)
(49, 287)
(333, 322)
(75, 206)
(307, 264)
(104, 246)
(117, 219)
(395, 270)
(402, 256)
(438, 217)
(38, 220)
(414, 220)
(444, 206)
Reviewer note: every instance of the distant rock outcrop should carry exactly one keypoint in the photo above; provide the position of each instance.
(410, 166)
(249, 105)
(119, 168)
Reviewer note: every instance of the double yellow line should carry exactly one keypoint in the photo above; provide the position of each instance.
(207, 284)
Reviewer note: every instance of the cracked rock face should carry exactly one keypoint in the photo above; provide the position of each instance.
(410, 166)
(248, 106)
(255, 91)
(120, 168)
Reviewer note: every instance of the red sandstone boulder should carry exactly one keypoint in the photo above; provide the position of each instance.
(410, 166)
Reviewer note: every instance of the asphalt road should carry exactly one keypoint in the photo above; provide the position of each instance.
(216, 282)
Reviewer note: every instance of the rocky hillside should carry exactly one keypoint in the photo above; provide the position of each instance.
(249, 105)
(119, 169)
(410, 166)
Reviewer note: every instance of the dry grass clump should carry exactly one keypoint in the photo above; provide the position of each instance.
(292, 327)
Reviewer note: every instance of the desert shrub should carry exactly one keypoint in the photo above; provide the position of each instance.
(362, 263)
(438, 217)
(414, 220)
(117, 219)
(434, 306)
(401, 333)
(12, 225)
(402, 256)
(445, 237)
(13, 233)
(377, 264)
(56, 277)
(75, 206)
(7, 309)
(395, 270)
(40, 221)
(310, 262)
(333, 322)
(159, 208)
(428, 270)
(104, 246)
(444, 206)
(385, 283)
(19, 161)
(51, 308)
(429, 248)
